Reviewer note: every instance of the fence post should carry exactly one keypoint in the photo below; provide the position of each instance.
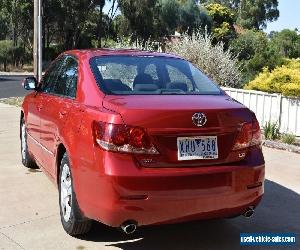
(279, 108)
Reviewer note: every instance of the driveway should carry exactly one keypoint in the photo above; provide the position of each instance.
(29, 215)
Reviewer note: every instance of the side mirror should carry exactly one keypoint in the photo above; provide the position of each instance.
(30, 83)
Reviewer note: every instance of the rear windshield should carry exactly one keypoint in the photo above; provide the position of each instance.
(153, 75)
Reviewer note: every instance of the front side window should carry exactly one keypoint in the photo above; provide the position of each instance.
(49, 79)
(66, 83)
(140, 75)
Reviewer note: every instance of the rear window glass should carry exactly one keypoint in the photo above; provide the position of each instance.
(136, 75)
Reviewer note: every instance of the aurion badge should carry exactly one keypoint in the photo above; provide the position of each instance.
(199, 119)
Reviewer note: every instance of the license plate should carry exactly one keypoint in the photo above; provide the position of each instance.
(195, 148)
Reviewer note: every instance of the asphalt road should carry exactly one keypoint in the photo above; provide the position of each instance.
(10, 86)
(29, 211)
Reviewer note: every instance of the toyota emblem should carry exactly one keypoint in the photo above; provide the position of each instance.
(199, 119)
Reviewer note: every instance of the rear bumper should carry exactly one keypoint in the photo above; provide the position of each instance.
(156, 196)
(148, 201)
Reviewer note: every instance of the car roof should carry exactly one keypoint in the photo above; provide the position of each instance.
(115, 52)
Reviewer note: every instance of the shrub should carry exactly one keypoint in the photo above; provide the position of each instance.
(128, 43)
(288, 138)
(13, 55)
(254, 52)
(6, 47)
(213, 60)
(271, 131)
(284, 80)
(219, 64)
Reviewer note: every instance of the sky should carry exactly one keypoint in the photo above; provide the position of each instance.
(289, 16)
(108, 5)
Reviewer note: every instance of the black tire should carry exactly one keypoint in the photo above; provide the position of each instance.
(75, 224)
(27, 159)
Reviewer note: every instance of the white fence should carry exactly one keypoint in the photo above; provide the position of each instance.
(271, 107)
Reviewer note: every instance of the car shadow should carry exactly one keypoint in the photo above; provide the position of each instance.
(278, 212)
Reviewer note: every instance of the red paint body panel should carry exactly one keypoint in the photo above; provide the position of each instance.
(115, 187)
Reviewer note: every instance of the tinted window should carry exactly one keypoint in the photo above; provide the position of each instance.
(152, 71)
(176, 75)
(112, 71)
(49, 79)
(66, 83)
(134, 75)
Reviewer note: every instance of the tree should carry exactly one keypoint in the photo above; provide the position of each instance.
(254, 52)
(251, 14)
(256, 13)
(287, 42)
(100, 4)
(140, 16)
(159, 18)
(232, 4)
(167, 10)
(193, 18)
(5, 52)
(121, 26)
(4, 21)
(16, 21)
(71, 20)
(222, 22)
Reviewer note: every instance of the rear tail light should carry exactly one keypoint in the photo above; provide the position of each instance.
(121, 138)
(249, 136)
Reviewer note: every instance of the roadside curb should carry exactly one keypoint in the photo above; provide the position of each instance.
(15, 73)
(281, 146)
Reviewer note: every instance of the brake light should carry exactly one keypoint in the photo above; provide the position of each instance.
(121, 138)
(256, 134)
(249, 135)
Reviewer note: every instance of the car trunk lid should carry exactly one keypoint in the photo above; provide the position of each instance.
(167, 117)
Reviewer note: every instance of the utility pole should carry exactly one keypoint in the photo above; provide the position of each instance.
(37, 47)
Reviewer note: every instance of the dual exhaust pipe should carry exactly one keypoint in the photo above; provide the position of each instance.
(249, 212)
(129, 227)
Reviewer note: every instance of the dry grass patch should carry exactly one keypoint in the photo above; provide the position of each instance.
(15, 101)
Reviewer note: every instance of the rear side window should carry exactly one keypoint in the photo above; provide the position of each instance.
(154, 75)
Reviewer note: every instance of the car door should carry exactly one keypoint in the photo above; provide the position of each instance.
(57, 106)
(35, 110)
(33, 124)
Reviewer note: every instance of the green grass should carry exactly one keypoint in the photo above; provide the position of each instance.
(271, 131)
(288, 139)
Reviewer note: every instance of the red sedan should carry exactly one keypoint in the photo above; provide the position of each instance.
(134, 138)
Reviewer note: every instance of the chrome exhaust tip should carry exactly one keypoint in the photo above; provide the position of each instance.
(129, 227)
(249, 212)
